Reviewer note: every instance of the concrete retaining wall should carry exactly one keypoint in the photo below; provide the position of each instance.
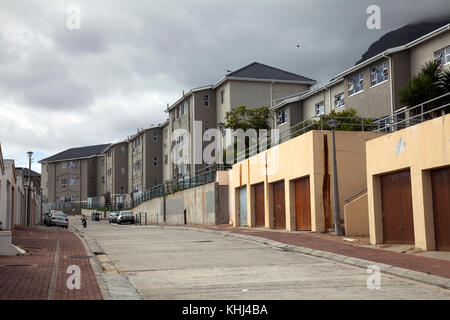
(206, 204)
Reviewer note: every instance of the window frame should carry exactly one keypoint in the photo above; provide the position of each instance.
(281, 116)
(319, 106)
(351, 83)
(343, 100)
(206, 100)
(374, 72)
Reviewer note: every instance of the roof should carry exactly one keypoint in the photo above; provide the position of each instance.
(77, 153)
(383, 54)
(400, 37)
(258, 70)
(305, 94)
(25, 172)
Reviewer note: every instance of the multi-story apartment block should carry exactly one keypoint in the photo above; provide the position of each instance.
(371, 87)
(116, 177)
(254, 85)
(74, 174)
(145, 159)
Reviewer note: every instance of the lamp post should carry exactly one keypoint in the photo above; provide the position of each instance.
(332, 124)
(27, 190)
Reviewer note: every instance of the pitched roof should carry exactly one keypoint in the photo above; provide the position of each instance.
(75, 153)
(25, 172)
(401, 37)
(258, 70)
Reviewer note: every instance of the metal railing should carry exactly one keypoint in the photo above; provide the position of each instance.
(201, 177)
(407, 117)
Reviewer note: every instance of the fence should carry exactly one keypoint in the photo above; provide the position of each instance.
(201, 177)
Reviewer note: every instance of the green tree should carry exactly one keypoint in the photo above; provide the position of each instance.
(243, 118)
(432, 81)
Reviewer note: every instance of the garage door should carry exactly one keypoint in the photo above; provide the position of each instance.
(259, 205)
(279, 205)
(243, 206)
(396, 203)
(440, 184)
(302, 204)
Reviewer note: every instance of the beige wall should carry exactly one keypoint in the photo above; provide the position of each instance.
(420, 148)
(223, 108)
(101, 172)
(424, 52)
(372, 101)
(356, 217)
(44, 180)
(305, 155)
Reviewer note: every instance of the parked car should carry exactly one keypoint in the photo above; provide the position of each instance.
(48, 217)
(58, 218)
(113, 217)
(125, 216)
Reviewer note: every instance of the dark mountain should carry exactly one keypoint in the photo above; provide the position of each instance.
(401, 36)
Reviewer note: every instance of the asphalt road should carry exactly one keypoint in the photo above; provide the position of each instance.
(164, 263)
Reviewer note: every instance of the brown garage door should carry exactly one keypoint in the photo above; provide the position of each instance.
(302, 204)
(259, 205)
(440, 184)
(396, 203)
(279, 205)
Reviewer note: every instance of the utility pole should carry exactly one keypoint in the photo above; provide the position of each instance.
(28, 189)
(336, 212)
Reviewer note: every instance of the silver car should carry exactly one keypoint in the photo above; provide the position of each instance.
(59, 218)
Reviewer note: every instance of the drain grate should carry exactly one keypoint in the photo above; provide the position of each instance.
(79, 257)
(202, 241)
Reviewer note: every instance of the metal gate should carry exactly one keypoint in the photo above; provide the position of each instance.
(440, 185)
(259, 205)
(396, 203)
(279, 206)
(243, 206)
(302, 204)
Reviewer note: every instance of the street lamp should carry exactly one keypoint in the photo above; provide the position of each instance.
(332, 124)
(27, 202)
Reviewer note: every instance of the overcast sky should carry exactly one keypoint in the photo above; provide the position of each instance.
(62, 88)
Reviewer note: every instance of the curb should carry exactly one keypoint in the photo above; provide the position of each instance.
(422, 277)
(120, 287)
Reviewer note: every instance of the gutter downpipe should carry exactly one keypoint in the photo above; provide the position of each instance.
(391, 71)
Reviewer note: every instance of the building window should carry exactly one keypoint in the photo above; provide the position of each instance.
(155, 136)
(72, 180)
(166, 159)
(355, 84)
(183, 108)
(108, 171)
(379, 73)
(72, 164)
(103, 179)
(122, 150)
(281, 116)
(206, 100)
(103, 162)
(63, 180)
(320, 108)
(222, 96)
(72, 198)
(64, 165)
(339, 100)
(180, 140)
(442, 57)
(182, 170)
(137, 165)
(122, 171)
(166, 133)
(155, 161)
(177, 112)
(93, 180)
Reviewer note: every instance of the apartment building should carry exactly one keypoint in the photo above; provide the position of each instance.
(74, 174)
(145, 159)
(254, 85)
(166, 149)
(116, 177)
(7, 211)
(371, 87)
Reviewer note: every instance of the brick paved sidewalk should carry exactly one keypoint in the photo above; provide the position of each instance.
(30, 276)
(333, 244)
